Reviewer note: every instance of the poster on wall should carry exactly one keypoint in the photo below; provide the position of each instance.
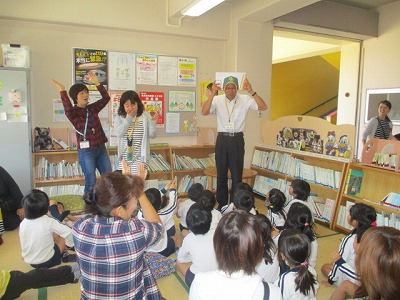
(187, 71)
(154, 104)
(204, 92)
(179, 101)
(167, 70)
(121, 71)
(58, 111)
(86, 60)
(146, 69)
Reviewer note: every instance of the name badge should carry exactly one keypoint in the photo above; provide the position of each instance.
(229, 126)
(84, 144)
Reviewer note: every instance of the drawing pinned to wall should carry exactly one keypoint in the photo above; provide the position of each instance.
(86, 60)
(179, 101)
(121, 70)
(154, 104)
(189, 125)
(187, 71)
(146, 69)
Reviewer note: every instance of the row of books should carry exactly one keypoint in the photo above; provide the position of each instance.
(188, 163)
(157, 163)
(186, 182)
(382, 218)
(284, 163)
(321, 209)
(353, 183)
(392, 200)
(63, 169)
(60, 190)
(388, 160)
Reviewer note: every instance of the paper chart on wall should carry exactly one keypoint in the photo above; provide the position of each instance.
(146, 69)
(121, 71)
(187, 71)
(167, 70)
(58, 111)
(172, 121)
(180, 101)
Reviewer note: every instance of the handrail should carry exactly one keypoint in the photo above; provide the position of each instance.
(319, 105)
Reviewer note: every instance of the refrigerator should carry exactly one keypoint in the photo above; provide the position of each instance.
(15, 126)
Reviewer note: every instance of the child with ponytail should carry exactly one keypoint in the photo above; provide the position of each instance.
(361, 217)
(300, 281)
(275, 202)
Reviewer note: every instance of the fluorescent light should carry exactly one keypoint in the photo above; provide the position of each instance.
(200, 7)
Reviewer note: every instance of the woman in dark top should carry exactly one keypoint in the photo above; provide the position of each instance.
(10, 201)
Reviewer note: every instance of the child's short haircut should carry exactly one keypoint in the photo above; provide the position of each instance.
(243, 186)
(195, 192)
(301, 188)
(243, 200)
(364, 214)
(208, 200)
(198, 219)
(35, 204)
(154, 197)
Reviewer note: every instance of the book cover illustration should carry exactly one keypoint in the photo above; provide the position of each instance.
(354, 182)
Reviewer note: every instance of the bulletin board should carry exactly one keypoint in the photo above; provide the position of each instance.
(167, 85)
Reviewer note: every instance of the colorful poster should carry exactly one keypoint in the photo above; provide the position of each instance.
(186, 71)
(146, 69)
(86, 60)
(121, 71)
(167, 70)
(154, 104)
(58, 111)
(204, 92)
(181, 101)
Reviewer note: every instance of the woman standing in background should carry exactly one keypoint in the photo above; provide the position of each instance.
(380, 126)
(134, 127)
(92, 152)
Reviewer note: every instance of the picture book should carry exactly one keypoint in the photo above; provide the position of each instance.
(354, 182)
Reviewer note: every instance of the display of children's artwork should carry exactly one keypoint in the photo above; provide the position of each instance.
(308, 140)
(300, 139)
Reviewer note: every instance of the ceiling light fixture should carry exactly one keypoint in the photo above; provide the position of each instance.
(200, 7)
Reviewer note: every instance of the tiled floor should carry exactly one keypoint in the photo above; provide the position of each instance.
(172, 287)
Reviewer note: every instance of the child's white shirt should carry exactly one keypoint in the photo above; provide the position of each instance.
(36, 237)
(199, 250)
(167, 213)
(269, 272)
(290, 203)
(229, 207)
(276, 219)
(216, 216)
(183, 208)
(287, 285)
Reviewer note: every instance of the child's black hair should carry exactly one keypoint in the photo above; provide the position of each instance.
(299, 217)
(296, 248)
(277, 200)
(243, 200)
(35, 204)
(208, 200)
(198, 219)
(195, 191)
(364, 214)
(243, 186)
(301, 189)
(75, 90)
(154, 197)
(269, 245)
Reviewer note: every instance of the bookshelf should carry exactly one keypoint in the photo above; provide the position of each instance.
(376, 184)
(307, 148)
(60, 169)
(323, 173)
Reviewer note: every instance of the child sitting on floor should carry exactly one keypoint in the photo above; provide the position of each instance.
(197, 252)
(194, 194)
(209, 201)
(360, 216)
(43, 239)
(300, 191)
(300, 282)
(275, 201)
(243, 200)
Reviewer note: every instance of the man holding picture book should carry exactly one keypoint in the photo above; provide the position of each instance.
(231, 109)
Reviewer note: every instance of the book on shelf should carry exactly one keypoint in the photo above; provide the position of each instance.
(354, 182)
(391, 200)
(262, 185)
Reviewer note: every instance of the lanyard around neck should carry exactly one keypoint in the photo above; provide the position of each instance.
(86, 123)
(131, 130)
(227, 109)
